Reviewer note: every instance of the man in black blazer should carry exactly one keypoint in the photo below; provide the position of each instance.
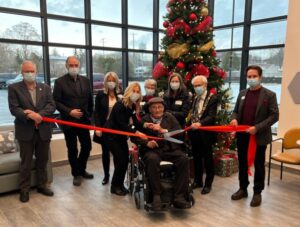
(204, 110)
(255, 106)
(74, 100)
(29, 101)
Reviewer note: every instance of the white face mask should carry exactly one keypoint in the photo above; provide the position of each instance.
(29, 77)
(73, 71)
(174, 86)
(134, 97)
(149, 91)
(111, 85)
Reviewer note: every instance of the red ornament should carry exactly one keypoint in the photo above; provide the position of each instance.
(213, 91)
(214, 53)
(193, 17)
(180, 65)
(159, 70)
(200, 69)
(166, 24)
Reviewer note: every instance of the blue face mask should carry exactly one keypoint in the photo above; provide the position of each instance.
(199, 90)
(253, 82)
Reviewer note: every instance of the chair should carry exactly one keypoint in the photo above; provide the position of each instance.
(290, 140)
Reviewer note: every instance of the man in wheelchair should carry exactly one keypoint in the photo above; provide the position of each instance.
(156, 123)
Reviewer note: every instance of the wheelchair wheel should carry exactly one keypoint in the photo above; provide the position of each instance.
(137, 200)
(130, 175)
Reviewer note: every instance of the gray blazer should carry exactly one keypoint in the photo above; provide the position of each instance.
(19, 99)
(266, 114)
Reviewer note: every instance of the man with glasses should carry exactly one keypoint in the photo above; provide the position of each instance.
(74, 100)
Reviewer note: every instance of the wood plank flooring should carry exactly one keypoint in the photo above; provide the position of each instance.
(91, 204)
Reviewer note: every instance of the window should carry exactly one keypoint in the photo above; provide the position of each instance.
(20, 27)
(105, 36)
(268, 33)
(140, 40)
(269, 8)
(231, 63)
(32, 5)
(224, 40)
(106, 10)
(72, 8)
(140, 13)
(228, 11)
(66, 32)
(140, 67)
(162, 12)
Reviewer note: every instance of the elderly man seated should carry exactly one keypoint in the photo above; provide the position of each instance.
(156, 123)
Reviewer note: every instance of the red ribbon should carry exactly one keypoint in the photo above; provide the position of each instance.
(238, 128)
(90, 127)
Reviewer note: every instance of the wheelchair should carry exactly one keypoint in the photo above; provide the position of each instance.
(139, 186)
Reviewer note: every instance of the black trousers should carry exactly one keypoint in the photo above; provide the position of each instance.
(202, 154)
(119, 149)
(105, 158)
(40, 149)
(78, 161)
(181, 162)
(259, 163)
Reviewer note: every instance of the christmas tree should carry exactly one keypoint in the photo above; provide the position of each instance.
(189, 50)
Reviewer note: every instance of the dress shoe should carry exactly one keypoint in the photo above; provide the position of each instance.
(156, 203)
(45, 191)
(241, 193)
(124, 189)
(206, 190)
(256, 200)
(87, 175)
(117, 191)
(24, 196)
(77, 180)
(181, 204)
(105, 180)
(197, 185)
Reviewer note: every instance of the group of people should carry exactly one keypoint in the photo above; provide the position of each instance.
(147, 115)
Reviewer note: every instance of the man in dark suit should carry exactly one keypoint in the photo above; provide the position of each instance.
(29, 101)
(255, 106)
(74, 100)
(204, 110)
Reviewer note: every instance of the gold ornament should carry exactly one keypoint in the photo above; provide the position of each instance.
(204, 12)
(206, 47)
(175, 50)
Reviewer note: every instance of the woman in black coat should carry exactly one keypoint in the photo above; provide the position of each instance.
(104, 102)
(177, 99)
(120, 118)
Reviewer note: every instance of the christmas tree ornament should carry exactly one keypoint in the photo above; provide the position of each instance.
(204, 11)
(166, 24)
(175, 50)
(193, 17)
(180, 65)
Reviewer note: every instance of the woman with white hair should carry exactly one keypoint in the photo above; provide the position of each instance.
(119, 119)
(104, 102)
(150, 86)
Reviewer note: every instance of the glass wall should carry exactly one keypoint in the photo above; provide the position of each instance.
(251, 35)
(107, 35)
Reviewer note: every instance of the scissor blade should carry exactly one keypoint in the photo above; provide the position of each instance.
(172, 133)
(170, 139)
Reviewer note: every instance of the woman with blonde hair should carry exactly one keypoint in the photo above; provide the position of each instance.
(119, 119)
(104, 102)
